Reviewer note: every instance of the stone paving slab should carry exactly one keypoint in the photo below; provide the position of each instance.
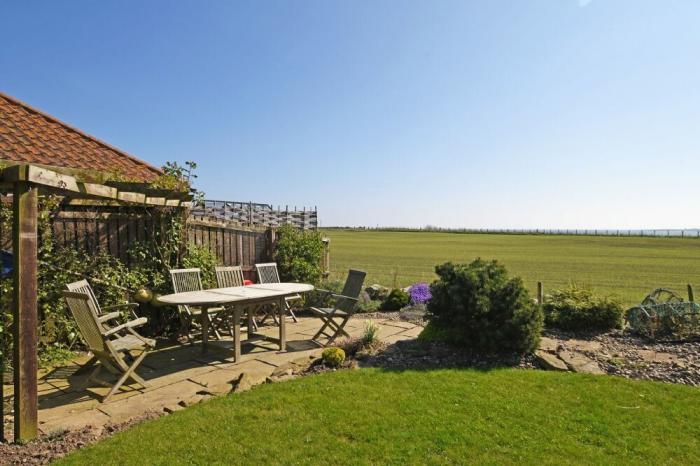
(180, 375)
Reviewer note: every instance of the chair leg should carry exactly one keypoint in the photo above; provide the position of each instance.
(339, 331)
(128, 373)
(291, 312)
(213, 327)
(326, 321)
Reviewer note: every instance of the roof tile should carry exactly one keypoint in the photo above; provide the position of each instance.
(29, 135)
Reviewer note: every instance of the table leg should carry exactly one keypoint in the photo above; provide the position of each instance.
(283, 325)
(236, 334)
(204, 322)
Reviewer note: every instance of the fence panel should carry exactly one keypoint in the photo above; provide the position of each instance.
(113, 231)
(257, 215)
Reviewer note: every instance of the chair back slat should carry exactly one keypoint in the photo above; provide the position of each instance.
(352, 289)
(90, 329)
(267, 273)
(185, 280)
(83, 286)
(227, 277)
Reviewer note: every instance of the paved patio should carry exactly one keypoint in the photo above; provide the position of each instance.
(180, 375)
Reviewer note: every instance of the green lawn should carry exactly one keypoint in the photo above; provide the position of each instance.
(371, 416)
(627, 267)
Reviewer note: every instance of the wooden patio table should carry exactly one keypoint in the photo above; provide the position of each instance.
(239, 298)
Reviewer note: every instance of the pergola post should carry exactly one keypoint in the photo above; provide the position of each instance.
(24, 249)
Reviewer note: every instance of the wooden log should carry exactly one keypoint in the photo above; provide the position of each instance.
(24, 243)
(540, 293)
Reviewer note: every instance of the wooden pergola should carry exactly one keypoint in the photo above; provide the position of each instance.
(26, 182)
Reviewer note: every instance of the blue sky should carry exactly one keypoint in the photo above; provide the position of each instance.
(493, 113)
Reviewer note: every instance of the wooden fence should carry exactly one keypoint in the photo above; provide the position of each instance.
(115, 229)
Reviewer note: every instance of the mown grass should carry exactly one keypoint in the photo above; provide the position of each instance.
(370, 416)
(626, 267)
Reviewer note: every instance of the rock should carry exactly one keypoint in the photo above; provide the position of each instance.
(550, 361)
(663, 358)
(193, 400)
(584, 345)
(377, 292)
(549, 344)
(285, 369)
(281, 378)
(580, 363)
(171, 408)
(244, 383)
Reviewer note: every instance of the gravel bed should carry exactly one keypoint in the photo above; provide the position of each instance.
(627, 355)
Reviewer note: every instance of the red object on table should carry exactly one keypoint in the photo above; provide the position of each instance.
(247, 282)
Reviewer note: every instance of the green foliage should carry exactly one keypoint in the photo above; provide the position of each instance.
(396, 300)
(322, 296)
(370, 334)
(578, 308)
(366, 304)
(432, 332)
(478, 306)
(204, 259)
(298, 254)
(333, 357)
(178, 177)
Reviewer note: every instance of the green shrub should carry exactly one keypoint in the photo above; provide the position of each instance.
(319, 297)
(333, 357)
(366, 304)
(203, 259)
(577, 308)
(479, 307)
(298, 254)
(395, 301)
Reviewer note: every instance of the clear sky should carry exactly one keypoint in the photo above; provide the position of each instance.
(492, 113)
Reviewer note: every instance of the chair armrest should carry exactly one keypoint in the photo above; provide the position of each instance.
(109, 316)
(336, 296)
(130, 306)
(119, 306)
(131, 324)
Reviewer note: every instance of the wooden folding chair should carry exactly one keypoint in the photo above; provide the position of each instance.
(267, 273)
(111, 346)
(343, 308)
(231, 276)
(190, 280)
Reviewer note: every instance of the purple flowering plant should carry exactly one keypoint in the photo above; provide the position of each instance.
(419, 293)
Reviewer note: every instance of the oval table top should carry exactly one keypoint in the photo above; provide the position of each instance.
(218, 296)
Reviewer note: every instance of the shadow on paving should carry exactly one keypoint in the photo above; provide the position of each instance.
(169, 363)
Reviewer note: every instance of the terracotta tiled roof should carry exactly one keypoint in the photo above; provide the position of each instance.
(31, 136)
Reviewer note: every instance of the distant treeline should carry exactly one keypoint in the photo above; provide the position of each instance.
(671, 233)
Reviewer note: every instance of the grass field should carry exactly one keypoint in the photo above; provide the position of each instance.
(627, 267)
(370, 416)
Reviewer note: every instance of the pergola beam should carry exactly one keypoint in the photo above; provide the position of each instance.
(68, 185)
